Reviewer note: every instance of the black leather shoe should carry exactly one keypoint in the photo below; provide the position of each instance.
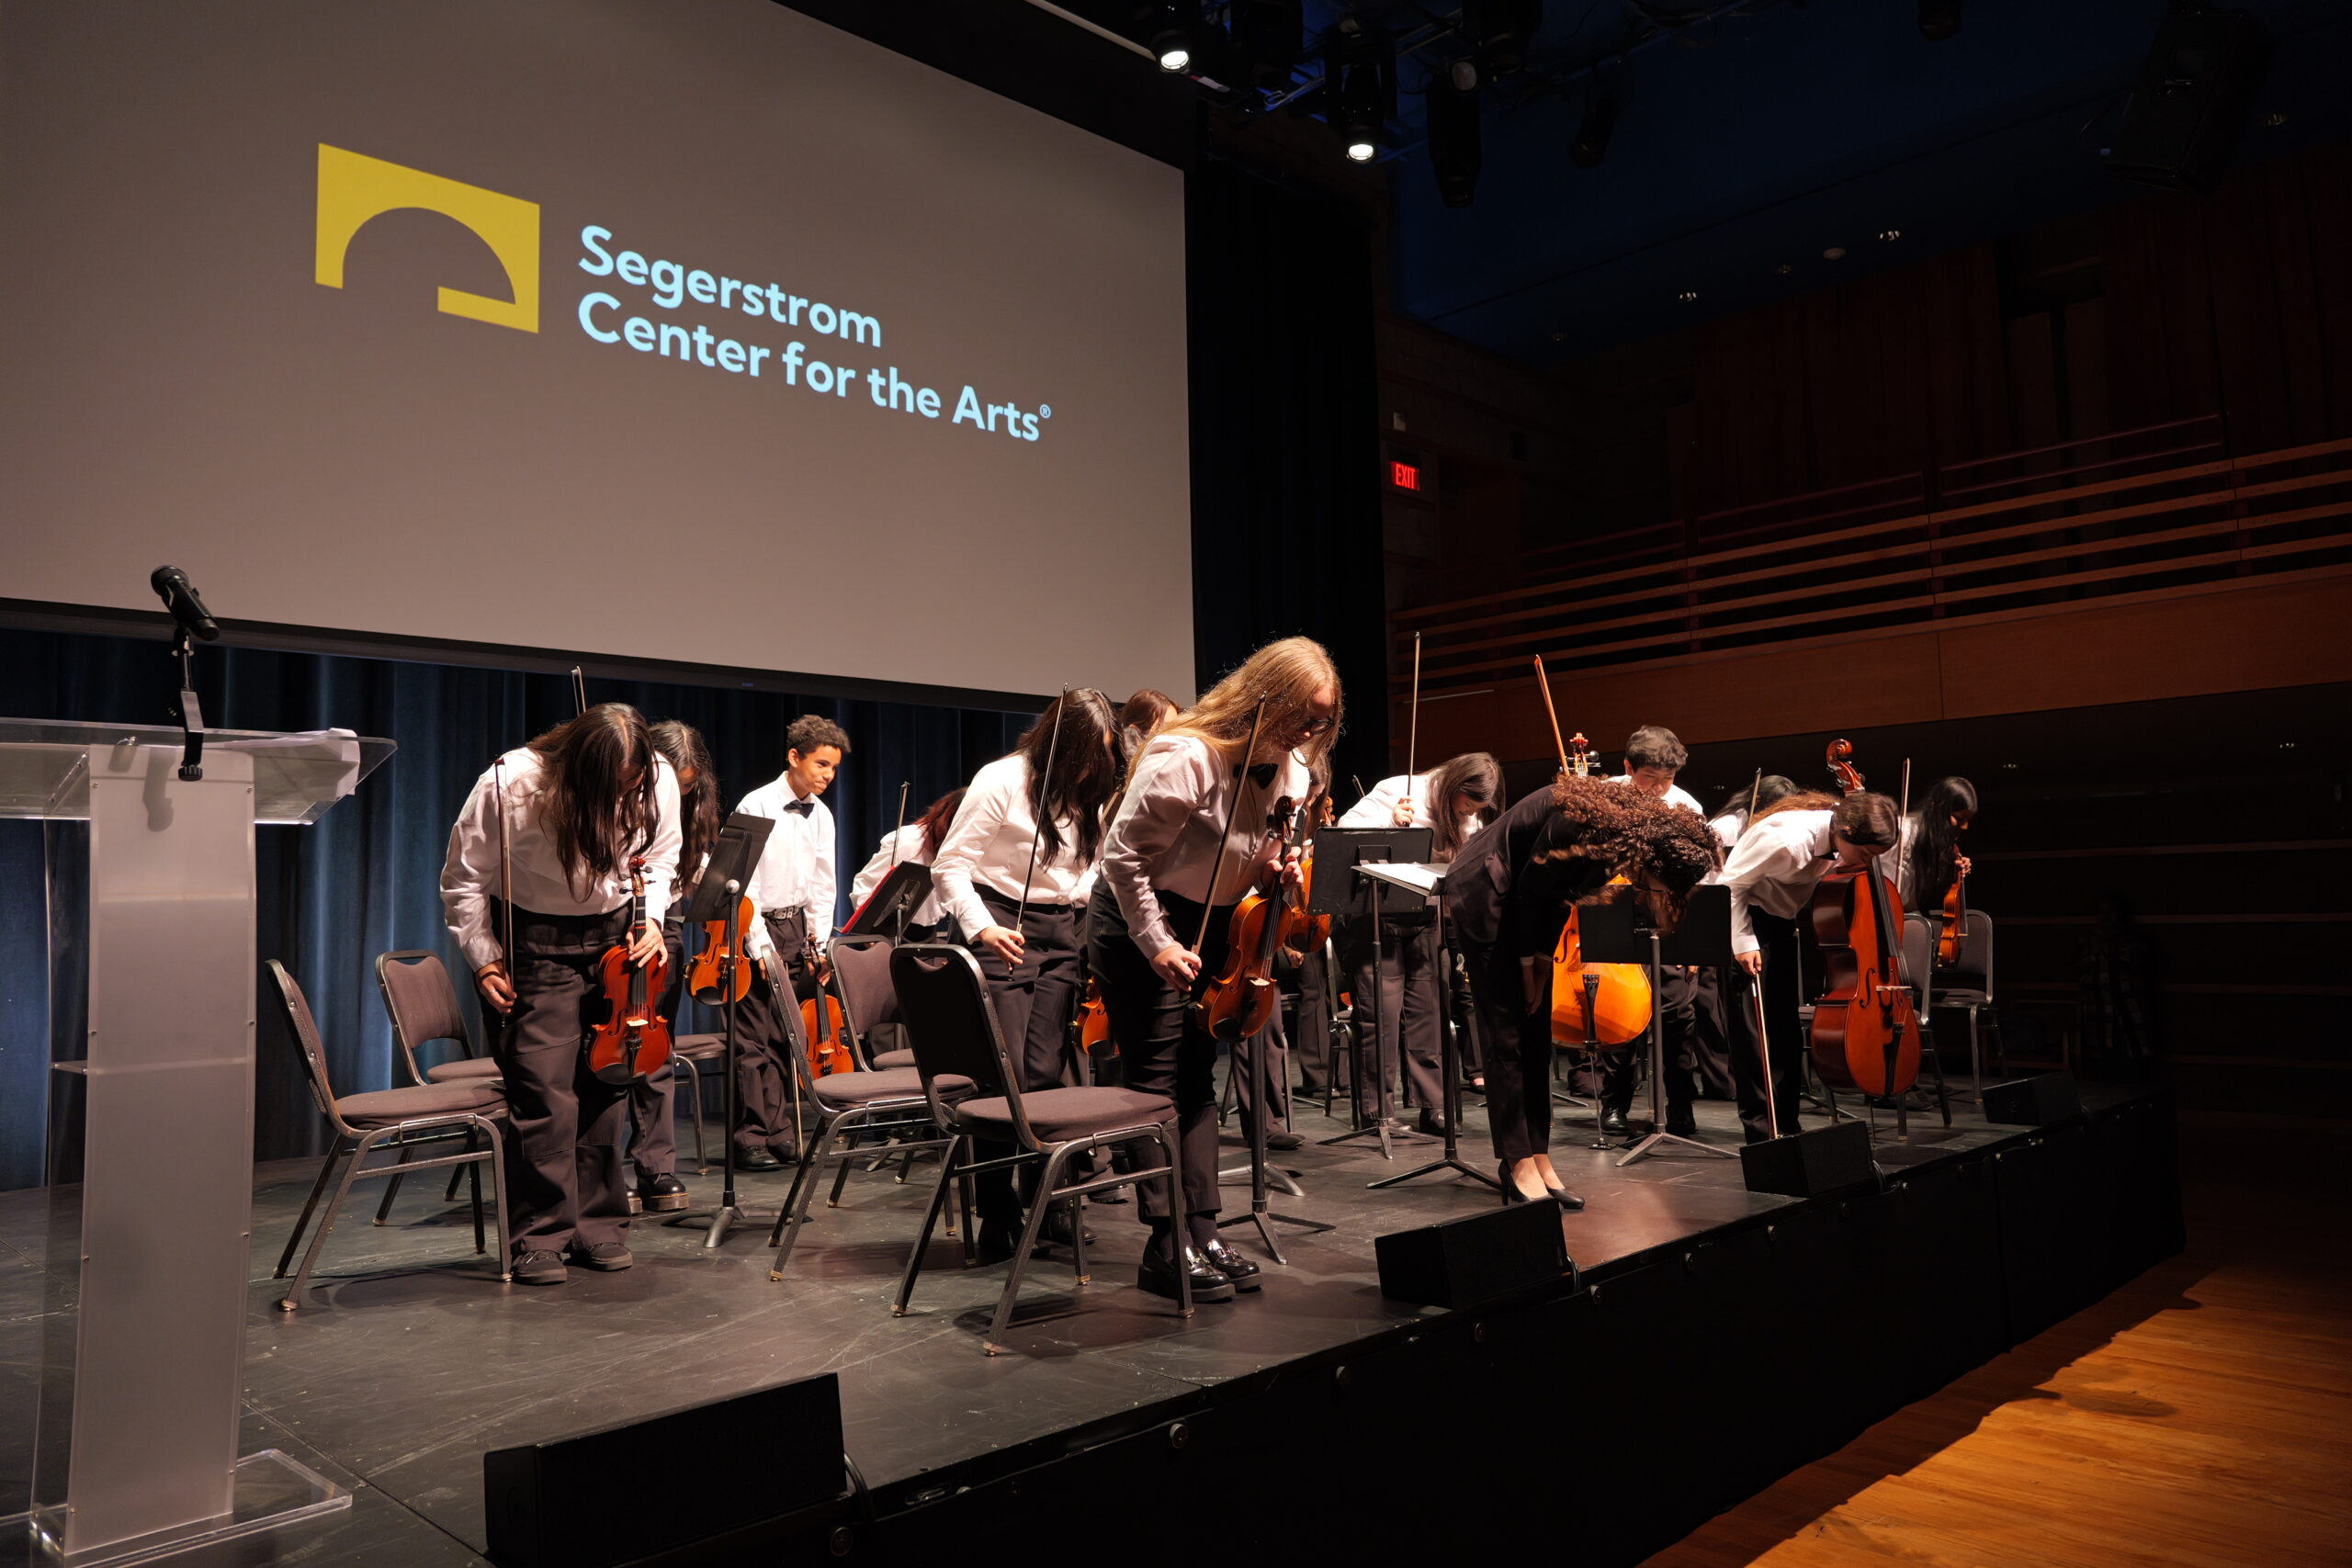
(756, 1160)
(1057, 1228)
(1566, 1198)
(1511, 1195)
(661, 1194)
(1613, 1121)
(1228, 1262)
(1431, 1125)
(1156, 1274)
(605, 1257)
(540, 1268)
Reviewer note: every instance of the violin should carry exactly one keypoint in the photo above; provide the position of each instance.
(1594, 1006)
(1865, 1032)
(1951, 923)
(821, 1024)
(633, 1041)
(706, 975)
(1240, 999)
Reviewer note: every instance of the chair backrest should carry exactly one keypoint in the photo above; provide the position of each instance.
(423, 1004)
(862, 979)
(951, 1026)
(1919, 956)
(304, 1031)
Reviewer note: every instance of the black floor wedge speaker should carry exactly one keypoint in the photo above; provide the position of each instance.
(1474, 1260)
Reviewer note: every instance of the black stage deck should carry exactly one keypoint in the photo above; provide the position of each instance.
(1713, 1340)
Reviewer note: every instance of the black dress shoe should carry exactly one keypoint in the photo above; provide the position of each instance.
(756, 1160)
(1156, 1274)
(1511, 1195)
(1566, 1198)
(540, 1268)
(1613, 1121)
(1430, 1124)
(1228, 1262)
(661, 1194)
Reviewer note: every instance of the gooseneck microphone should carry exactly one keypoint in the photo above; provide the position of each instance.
(180, 596)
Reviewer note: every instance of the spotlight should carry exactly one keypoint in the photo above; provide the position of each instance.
(1453, 140)
(1171, 38)
(1939, 19)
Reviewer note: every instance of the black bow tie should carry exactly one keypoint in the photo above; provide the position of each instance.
(1262, 774)
(800, 808)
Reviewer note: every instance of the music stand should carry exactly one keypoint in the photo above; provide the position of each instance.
(1349, 850)
(1617, 931)
(1449, 1043)
(892, 903)
(719, 897)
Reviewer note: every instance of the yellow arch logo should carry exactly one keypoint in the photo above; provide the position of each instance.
(354, 188)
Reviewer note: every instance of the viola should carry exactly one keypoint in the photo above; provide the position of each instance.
(633, 1041)
(821, 1025)
(706, 975)
(1951, 923)
(1865, 1033)
(1240, 999)
(1595, 1006)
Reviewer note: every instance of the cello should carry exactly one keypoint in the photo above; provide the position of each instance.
(1865, 1032)
(633, 1041)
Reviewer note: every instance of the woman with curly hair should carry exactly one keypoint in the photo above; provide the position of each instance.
(1508, 896)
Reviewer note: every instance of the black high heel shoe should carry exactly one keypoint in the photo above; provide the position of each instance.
(1511, 1195)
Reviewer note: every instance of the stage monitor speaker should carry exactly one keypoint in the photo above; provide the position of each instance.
(2036, 1101)
(1806, 1165)
(1465, 1261)
(2182, 122)
(648, 1486)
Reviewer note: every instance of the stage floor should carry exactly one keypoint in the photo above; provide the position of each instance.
(409, 1359)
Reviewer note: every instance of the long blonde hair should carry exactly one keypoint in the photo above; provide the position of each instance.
(1287, 675)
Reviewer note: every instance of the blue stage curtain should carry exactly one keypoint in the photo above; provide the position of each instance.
(367, 879)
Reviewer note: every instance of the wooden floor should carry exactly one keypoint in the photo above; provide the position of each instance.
(2202, 1415)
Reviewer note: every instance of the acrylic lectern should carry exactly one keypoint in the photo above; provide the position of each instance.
(152, 987)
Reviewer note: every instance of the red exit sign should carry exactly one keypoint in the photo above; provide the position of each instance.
(1405, 476)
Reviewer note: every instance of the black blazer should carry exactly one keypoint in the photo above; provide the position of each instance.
(1494, 899)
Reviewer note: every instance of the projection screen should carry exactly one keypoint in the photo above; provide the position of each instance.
(668, 330)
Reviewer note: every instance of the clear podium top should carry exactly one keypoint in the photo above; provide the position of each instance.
(45, 769)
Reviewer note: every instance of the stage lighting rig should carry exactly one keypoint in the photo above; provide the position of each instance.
(1453, 129)
(1359, 88)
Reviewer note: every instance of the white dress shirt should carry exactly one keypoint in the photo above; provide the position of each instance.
(469, 877)
(1675, 795)
(1164, 835)
(1378, 808)
(988, 844)
(900, 845)
(795, 869)
(1774, 867)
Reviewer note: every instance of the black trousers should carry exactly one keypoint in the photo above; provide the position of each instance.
(1783, 995)
(1676, 1005)
(1518, 1037)
(1161, 1050)
(564, 1183)
(1404, 991)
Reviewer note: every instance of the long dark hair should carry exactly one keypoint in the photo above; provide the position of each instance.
(1081, 732)
(1935, 842)
(937, 817)
(698, 801)
(591, 813)
(1474, 774)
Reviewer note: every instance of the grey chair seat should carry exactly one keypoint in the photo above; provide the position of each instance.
(382, 1106)
(890, 1061)
(699, 1047)
(1058, 1115)
(839, 1089)
(465, 1069)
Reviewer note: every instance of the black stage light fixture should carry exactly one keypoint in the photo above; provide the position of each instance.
(1501, 31)
(1939, 19)
(1172, 29)
(1453, 135)
(2182, 122)
(1600, 120)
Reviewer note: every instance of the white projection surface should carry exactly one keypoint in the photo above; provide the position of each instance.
(675, 329)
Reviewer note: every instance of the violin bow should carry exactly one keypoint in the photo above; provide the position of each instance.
(1232, 809)
(1413, 725)
(1544, 681)
(1037, 810)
